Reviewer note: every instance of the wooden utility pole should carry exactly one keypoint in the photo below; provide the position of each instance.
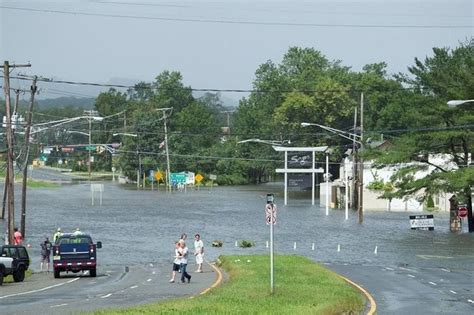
(5, 192)
(361, 162)
(5, 186)
(8, 130)
(168, 175)
(27, 154)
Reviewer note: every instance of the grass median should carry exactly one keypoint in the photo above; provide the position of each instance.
(301, 287)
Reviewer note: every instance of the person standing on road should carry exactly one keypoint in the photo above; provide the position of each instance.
(45, 254)
(17, 237)
(56, 235)
(198, 252)
(183, 253)
(183, 238)
(176, 262)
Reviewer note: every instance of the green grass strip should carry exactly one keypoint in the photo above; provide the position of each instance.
(301, 287)
(32, 183)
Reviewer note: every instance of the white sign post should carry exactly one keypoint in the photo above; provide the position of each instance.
(270, 219)
(99, 188)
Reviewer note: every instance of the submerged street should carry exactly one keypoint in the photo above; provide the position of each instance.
(405, 270)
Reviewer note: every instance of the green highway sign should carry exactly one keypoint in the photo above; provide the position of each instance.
(178, 178)
(91, 148)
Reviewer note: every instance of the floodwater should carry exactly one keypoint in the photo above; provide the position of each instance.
(138, 227)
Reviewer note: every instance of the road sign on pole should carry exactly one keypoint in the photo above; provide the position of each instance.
(422, 222)
(270, 214)
(462, 211)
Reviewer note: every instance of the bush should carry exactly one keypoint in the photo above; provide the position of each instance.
(245, 243)
(217, 243)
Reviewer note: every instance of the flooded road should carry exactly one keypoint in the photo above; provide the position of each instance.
(138, 228)
(141, 226)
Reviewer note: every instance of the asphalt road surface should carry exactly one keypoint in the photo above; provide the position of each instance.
(112, 288)
(425, 272)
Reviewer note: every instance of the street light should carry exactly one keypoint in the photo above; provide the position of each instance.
(139, 169)
(350, 136)
(454, 103)
(270, 142)
(341, 133)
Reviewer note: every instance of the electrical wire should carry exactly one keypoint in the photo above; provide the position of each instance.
(150, 87)
(234, 22)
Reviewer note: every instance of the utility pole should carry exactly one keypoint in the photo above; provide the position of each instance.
(5, 186)
(92, 115)
(361, 162)
(354, 166)
(168, 171)
(8, 130)
(89, 163)
(27, 154)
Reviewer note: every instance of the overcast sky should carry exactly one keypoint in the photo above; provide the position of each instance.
(218, 44)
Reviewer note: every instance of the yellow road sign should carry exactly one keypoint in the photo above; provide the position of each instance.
(199, 178)
(158, 175)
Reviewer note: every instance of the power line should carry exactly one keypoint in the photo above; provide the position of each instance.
(223, 21)
(149, 87)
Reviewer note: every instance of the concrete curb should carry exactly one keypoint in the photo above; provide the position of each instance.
(373, 305)
(218, 278)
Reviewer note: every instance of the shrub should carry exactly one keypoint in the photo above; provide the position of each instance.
(217, 243)
(245, 243)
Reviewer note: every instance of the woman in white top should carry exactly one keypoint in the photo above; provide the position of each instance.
(183, 254)
(198, 252)
(176, 262)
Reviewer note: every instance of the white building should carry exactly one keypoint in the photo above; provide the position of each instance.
(371, 198)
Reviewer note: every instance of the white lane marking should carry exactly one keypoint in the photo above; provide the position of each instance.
(92, 282)
(432, 283)
(453, 292)
(106, 296)
(411, 276)
(444, 269)
(148, 280)
(406, 269)
(39, 290)
(470, 301)
(59, 305)
(388, 268)
(154, 272)
(134, 287)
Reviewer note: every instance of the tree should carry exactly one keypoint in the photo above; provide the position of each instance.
(439, 141)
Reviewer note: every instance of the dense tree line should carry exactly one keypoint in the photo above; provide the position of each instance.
(409, 109)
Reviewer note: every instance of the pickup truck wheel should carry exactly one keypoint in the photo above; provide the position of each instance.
(19, 275)
(56, 273)
(93, 272)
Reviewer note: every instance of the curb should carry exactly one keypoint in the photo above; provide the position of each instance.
(373, 305)
(218, 279)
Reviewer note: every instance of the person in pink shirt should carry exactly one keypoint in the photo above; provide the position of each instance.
(17, 237)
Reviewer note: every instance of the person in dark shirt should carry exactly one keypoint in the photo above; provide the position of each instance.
(45, 253)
